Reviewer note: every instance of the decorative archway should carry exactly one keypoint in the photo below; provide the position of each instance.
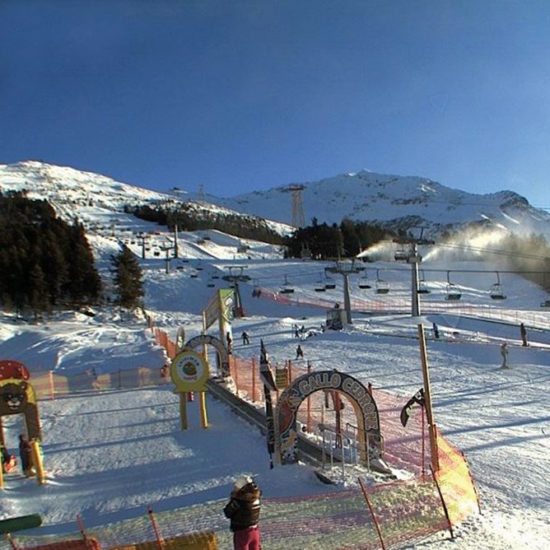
(207, 339)
(364, 406)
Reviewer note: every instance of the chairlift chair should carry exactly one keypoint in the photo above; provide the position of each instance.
(320, 287)
(329, 283)
(287, 288)
(496, 291)
(422, 286)
(363, 282)
(453, 292)
(382, 287)
(401, 255)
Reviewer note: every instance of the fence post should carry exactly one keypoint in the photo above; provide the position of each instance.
(443, 503)
(289, 372)
(308, 404)
(158, 536)
(376, 524)
(235, 371)
(52, 387)
(253, 380)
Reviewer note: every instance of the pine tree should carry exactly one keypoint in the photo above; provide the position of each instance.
(128, 279)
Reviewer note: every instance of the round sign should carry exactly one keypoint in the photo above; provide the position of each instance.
(189, 371)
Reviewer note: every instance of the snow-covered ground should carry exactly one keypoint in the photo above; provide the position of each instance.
(108, 456)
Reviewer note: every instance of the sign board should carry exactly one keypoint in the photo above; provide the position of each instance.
(189, 371)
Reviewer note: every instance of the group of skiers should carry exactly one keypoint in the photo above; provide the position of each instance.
(9, 461)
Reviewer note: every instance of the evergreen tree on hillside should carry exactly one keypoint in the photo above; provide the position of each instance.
(45, 263)
(128, 279)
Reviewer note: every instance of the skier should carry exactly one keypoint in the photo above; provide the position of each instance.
(243, 509)
(504, 353)
(246, 339)
(299, 352)
(25, 453)
(436, 331)
(523, 332)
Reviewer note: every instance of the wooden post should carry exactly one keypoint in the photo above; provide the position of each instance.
(204, 418)
(253, 380)
(52, 386)
(37, 462)
(183, 410)
(235, 371)
(432, 429)
(158, 536)
(289, 372)
(308, 404)
(373, 515)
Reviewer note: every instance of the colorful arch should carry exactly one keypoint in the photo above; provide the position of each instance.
(207, 339)
(364, 406)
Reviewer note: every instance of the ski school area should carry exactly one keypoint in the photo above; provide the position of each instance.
(346, 458)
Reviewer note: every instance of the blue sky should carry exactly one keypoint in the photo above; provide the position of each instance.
(246, 95)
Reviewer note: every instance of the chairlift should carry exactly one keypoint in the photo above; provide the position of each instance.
(453, 292)
(422, 286)
(320, 286)
(496, 291)
(401, 254)
(329, 283)
(382, 287)
(363, 282)
(287, 288)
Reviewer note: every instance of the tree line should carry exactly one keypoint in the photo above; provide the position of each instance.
(189, 217)
(45, 263)
(344, 240)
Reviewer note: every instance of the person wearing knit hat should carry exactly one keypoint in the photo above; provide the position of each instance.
(243, 511)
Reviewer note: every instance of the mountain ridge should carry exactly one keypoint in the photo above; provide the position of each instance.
(393, 201)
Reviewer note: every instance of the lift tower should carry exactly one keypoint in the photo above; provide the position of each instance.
(298, 218)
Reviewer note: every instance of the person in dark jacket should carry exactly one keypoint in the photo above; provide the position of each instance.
(243, 509)
(523, 332)
(25, 453)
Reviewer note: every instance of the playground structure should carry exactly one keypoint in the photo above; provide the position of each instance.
(18, 397)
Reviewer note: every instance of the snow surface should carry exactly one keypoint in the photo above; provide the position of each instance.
(109, 456)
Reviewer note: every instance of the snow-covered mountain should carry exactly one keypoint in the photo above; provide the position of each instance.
(396, 201)
(72, 191)
(399, 202)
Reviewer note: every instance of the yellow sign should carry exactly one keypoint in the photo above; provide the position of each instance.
(189, 371)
